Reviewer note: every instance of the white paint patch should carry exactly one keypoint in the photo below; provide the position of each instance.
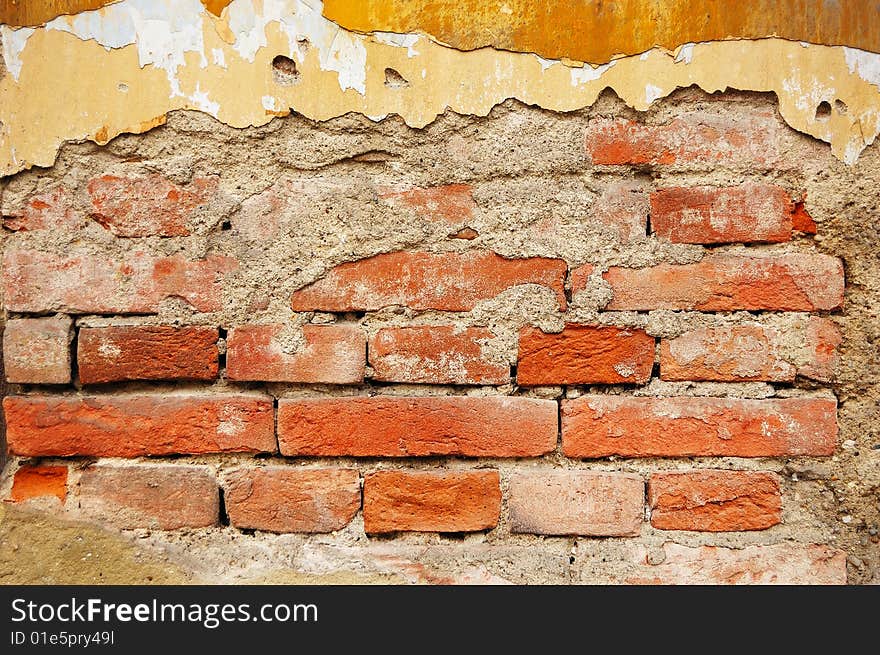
(685, 54)
(200, 100)
(588, 74)
(652, 93)
(218, 57)
(268, 103)
(545, 63)
(407, 41)
(864, 64)
(14, 42)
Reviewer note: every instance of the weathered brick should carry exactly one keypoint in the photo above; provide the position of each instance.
(39, 482)
(137, 425)
(431, 501)
(147, 206)
(600, 426)
(822, 339)
(146, 352)
(693, 138)
(746, 213)
(166, 497)
(423, 280)
(285, 499)
(790, 282)
(390, 426)
(623, 205)
(576, 503)
(735, 353)
(787, 563)
(330, 354)
(36, 281)
(451, 203)
(584, 354)
(433, 354)
(37, 350)
(46, 211)
(752, 351)
(714, 501)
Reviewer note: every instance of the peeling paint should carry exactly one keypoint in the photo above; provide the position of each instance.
(159, 56)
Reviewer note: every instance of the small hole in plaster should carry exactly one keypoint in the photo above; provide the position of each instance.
(122, 86)
(284, 71)
(394, 80)
(841, 107)
(823, 111)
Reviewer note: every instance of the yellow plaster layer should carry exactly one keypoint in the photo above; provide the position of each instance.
(587, 30)
(94, 77)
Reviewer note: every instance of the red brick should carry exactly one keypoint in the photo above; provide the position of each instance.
(423, 280)
(137, 425)
(147, 206)
(691, 138)
(39, 482)
(451, 203)
(737, 353)
(390, 426)
(787, 563)
(576, 503)
(37, 350)
(801, 219)
(791, 282)
(146, 352)
(580, 277)
(431, 501)
(714, 501)
(45, 211)
(584, 354)
(600, 426)
(746, 213)
(165, 497)
(435, 355)
(330, 354)
(822, 339)
(284, 499)
(90, 284)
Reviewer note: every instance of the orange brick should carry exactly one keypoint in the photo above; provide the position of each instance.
(146, 352)
(791, 282)
(331, 354)
(576, 503)
(167, 497)
(746, 213)
(137, 425)
(431, 501)
(600, 426)
(423, 280)
(38, 482)
(285, 499)
(584, 354)
(391, 426)
(435, 355)
(714, 501)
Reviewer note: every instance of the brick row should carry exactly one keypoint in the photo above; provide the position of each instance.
(286, 499)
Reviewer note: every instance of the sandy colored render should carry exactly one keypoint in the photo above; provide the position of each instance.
(158, 56)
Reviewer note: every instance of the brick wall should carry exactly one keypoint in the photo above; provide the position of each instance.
(606, 339)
